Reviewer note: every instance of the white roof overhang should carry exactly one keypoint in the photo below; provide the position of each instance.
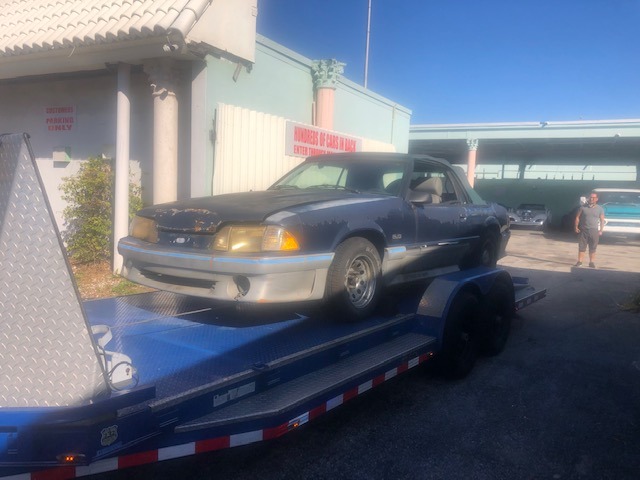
(40, 37)
(532, 142)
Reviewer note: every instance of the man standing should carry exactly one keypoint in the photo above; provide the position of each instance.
(589, 225)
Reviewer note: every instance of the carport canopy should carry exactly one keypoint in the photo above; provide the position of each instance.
(599, 147)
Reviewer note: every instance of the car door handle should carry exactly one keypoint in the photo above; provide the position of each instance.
(463, 216)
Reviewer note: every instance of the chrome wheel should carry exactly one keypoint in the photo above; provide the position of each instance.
(353, 280)
(361, 281)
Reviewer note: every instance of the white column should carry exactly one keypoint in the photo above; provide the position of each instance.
(471, 161)
(201, 134)
(163, 76)
(123, 140)
(325, 78)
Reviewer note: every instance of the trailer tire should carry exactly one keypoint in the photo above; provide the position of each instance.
(354, 280)
(499, 311)
(459, 343)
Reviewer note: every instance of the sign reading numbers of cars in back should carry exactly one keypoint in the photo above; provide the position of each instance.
(304, 140)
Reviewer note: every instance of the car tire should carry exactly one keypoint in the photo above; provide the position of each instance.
(499, 311)
(459, 344)
(354, 280)
(485, 256)
(488, 255)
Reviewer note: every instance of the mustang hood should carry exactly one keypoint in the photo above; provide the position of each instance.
(205, 214)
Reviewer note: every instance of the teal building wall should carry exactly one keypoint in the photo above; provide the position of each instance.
(280, 83)
(363, 113)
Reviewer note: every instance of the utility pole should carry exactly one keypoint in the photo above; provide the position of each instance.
(366, 53)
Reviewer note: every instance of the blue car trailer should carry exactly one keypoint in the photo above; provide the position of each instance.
(89, 387)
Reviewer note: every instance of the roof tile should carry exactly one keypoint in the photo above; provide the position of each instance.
(41, 25)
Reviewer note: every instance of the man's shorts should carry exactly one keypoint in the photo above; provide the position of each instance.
(590, 238)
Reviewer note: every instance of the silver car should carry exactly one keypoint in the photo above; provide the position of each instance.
(529, 215)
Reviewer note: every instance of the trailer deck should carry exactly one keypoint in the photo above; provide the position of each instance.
(209, 343)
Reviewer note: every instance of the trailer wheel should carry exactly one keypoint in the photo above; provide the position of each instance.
(353, 281)
(499, 310)
(459, 344)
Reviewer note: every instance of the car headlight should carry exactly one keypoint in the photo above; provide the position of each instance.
(252, 239)
(144, 229)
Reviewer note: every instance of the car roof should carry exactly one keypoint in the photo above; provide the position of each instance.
(369, 156)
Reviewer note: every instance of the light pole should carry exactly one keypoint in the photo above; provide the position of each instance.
(366, 52)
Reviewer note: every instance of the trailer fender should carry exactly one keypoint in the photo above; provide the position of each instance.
(437, 300)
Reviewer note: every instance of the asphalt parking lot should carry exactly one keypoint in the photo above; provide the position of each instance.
(561, 402)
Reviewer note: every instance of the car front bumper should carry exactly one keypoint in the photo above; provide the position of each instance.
(252, 279)
(539, 222)
(622, 226)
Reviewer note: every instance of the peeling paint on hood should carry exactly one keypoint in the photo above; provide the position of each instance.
(206, 214)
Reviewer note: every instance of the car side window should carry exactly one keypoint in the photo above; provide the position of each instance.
(385, 178)
(392, 181)
(433, 184)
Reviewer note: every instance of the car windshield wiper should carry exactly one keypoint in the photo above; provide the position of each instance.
(284, 186)
(334, 187)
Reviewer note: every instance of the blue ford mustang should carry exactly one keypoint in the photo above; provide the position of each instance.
(337, 228)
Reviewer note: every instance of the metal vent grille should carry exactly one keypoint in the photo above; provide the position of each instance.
(47, 356)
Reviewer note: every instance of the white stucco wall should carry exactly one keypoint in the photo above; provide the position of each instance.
(23, 105)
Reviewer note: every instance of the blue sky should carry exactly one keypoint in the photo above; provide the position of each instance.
(461, 61)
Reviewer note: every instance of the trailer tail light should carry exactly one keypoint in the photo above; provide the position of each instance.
(294, 424)
(298, 421)
(71, 458)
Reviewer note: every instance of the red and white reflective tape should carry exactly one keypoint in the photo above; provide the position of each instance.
(202, 446)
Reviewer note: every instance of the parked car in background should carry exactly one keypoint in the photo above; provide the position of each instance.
(621, 210)
(529, 215)
(337, 228)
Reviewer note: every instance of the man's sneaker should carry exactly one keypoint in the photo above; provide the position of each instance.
(592, 265)
(578, 264)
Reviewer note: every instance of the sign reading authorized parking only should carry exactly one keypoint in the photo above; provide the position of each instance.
(304, 140)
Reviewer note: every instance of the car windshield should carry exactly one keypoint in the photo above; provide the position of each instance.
(356, 176)
(626, 198)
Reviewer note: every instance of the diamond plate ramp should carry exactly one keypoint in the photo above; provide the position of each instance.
(47, 356)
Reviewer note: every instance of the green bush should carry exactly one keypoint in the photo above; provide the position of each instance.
(89, 213)
(633, 305)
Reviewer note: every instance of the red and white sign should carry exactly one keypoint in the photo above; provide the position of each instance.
(304, 140)
(60, 119)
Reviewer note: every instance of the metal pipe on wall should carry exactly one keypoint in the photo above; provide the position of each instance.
(366, 52)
